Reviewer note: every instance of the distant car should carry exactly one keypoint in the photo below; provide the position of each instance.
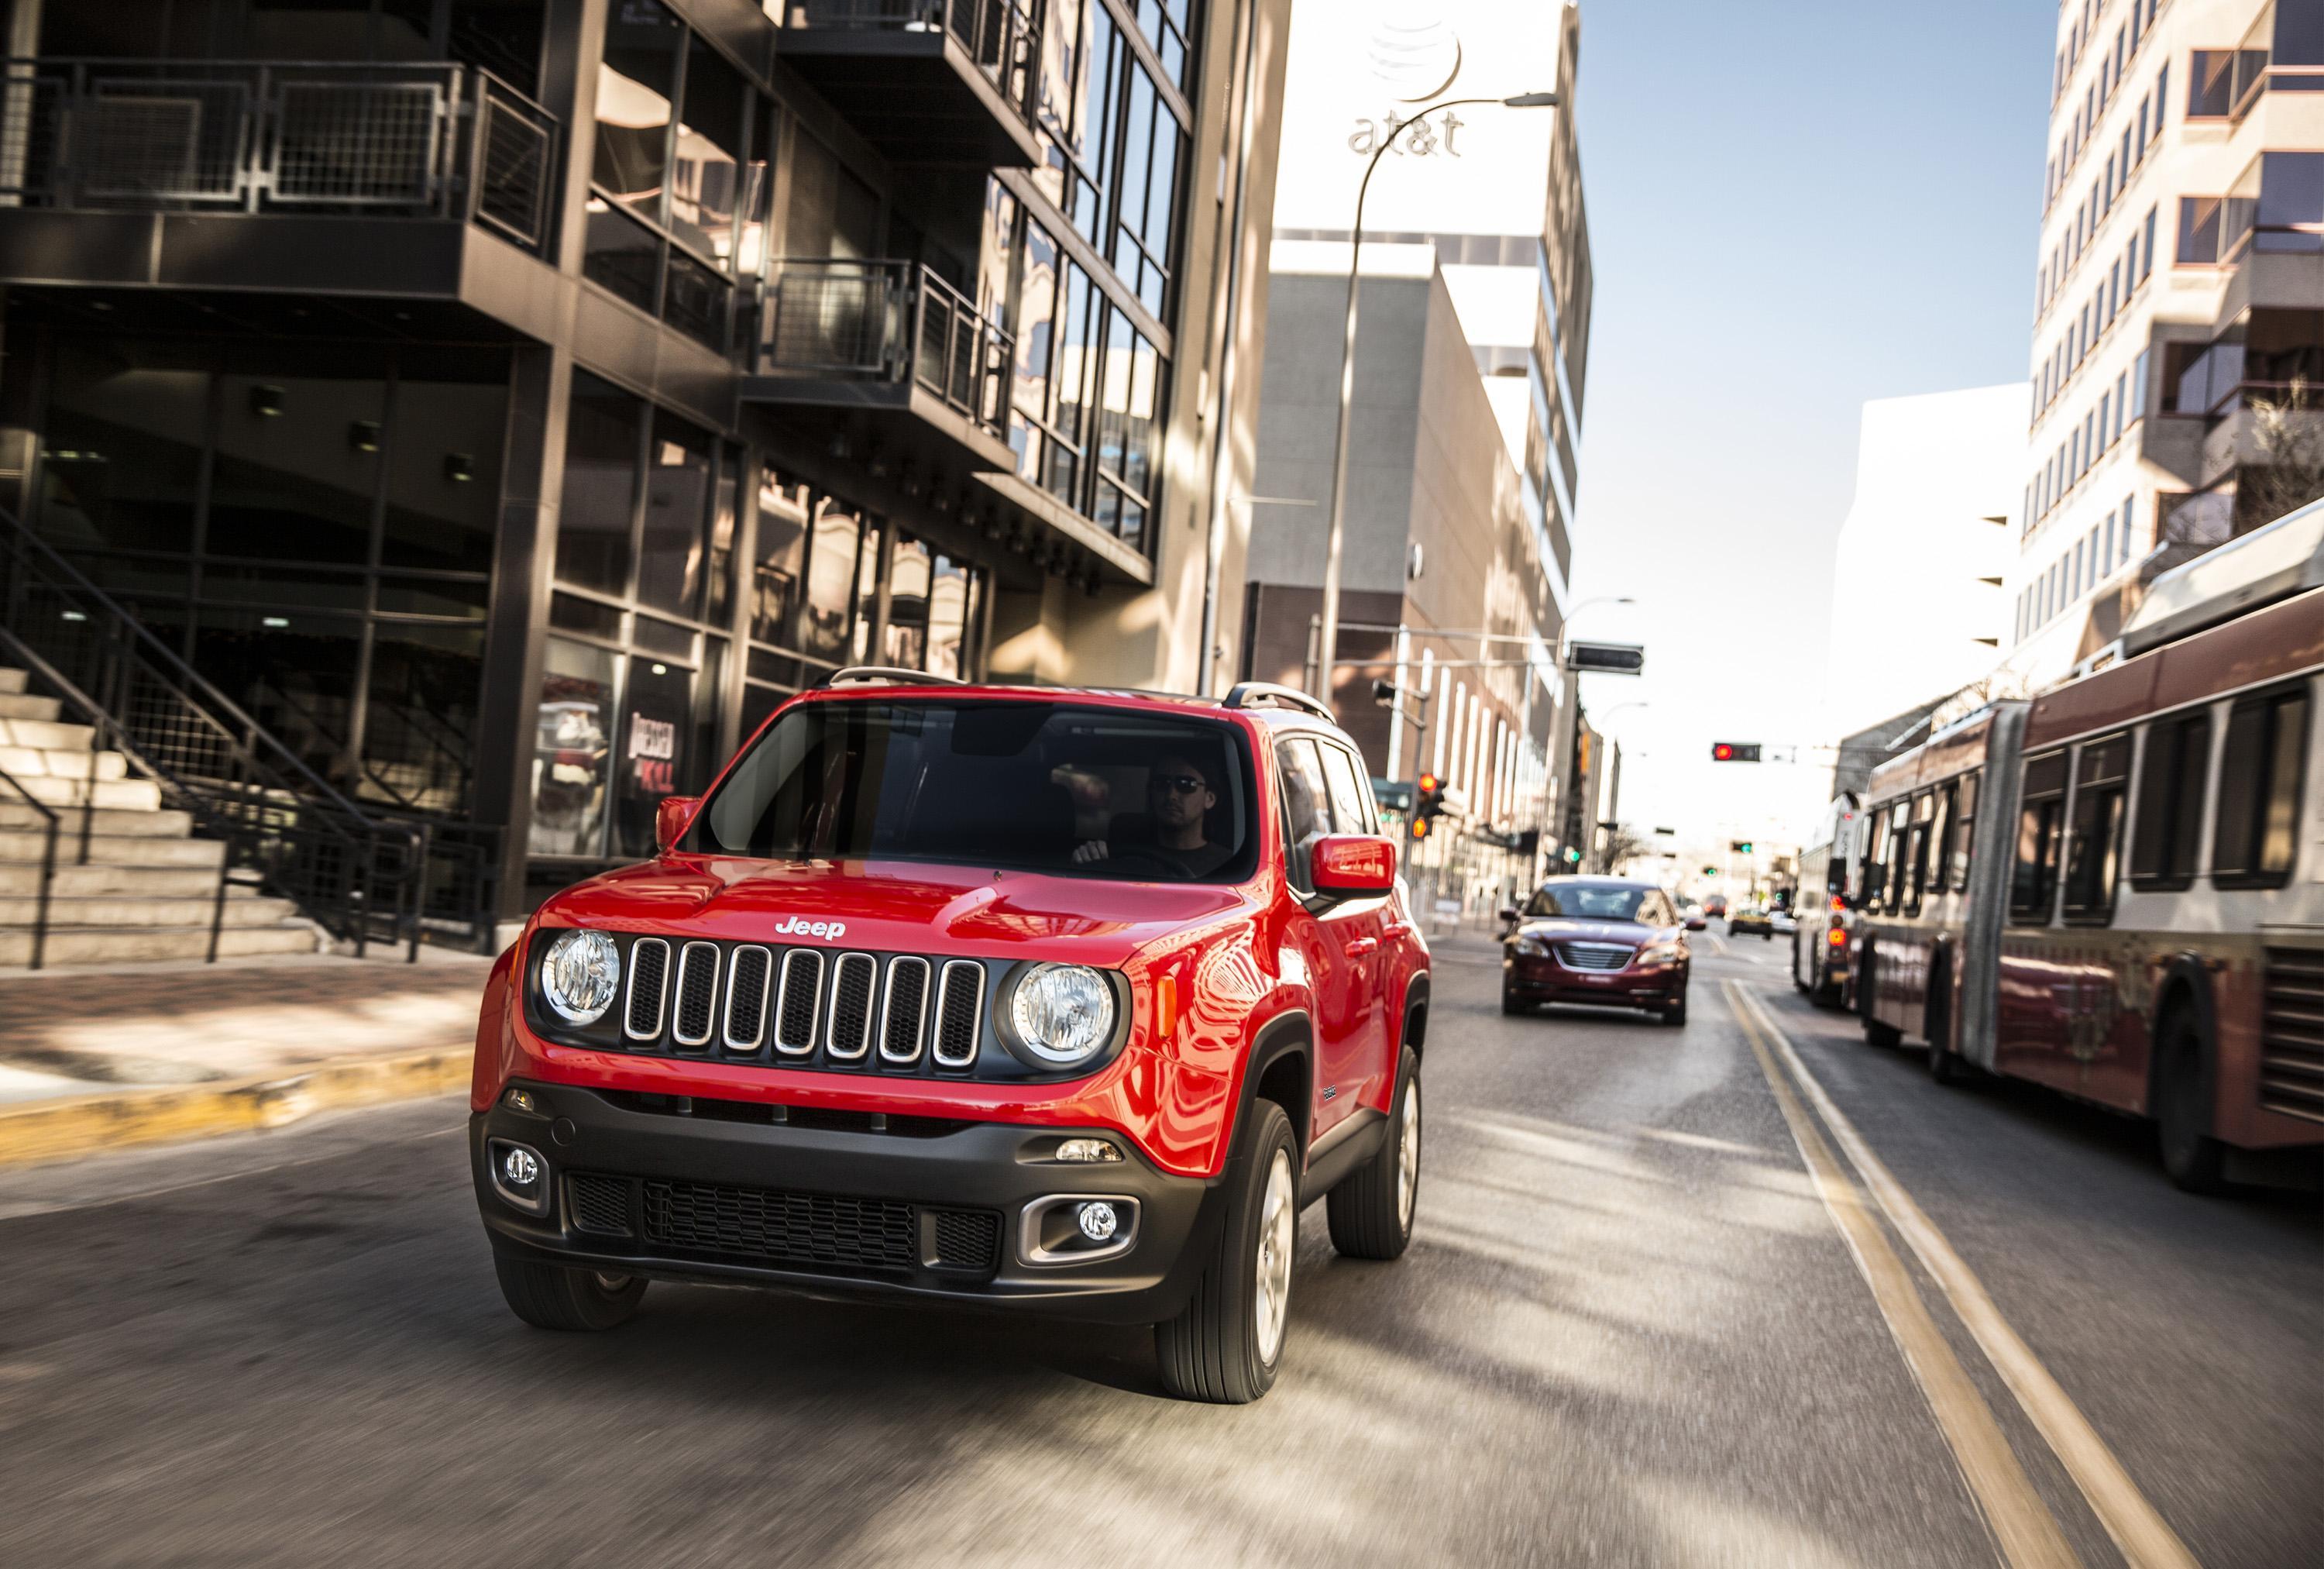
(1603, 940)
(1754, 921)
(1715, 905)
(1696, 921)
(1782, 923)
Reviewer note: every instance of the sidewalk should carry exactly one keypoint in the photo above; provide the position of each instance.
(100, 1057)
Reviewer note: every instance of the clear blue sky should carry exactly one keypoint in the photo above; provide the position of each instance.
(1793, 208)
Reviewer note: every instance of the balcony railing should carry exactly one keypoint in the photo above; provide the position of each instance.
(1001, 36)
(886, 321)
(438, 141)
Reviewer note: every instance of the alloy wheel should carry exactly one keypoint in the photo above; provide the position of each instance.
(1407, 1157)
(1278, 1228)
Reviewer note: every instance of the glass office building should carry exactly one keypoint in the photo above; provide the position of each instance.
(508, 404)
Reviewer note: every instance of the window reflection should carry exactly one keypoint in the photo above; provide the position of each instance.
(777, 578)
(631, 160)
(571, 750)
(670, 565)
(602, 434)
(830, 609)
(906, 639)
(705, 178)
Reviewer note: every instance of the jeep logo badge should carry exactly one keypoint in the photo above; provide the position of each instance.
(829, 931)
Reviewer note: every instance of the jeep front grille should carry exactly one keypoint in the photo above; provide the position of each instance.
(898, 1013)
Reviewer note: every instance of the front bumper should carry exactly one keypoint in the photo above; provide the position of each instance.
(674, 1194)
(1547, 980)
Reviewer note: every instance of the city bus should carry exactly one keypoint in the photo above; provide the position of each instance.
(1820, 911)
(2116, 888)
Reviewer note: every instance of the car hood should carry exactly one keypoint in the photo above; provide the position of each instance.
(891, 905)
(1565, 929)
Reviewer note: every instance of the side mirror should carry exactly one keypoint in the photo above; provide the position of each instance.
(1509, 915)
(1352, 865)
(672, 818)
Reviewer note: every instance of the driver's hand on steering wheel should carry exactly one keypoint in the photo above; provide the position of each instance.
(1091, 850)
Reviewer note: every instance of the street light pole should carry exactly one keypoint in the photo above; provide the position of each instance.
(1328, 642)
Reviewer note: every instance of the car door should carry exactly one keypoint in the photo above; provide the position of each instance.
(1321, 933)
(1363, 925)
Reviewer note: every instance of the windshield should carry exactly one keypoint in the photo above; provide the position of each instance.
(1584, 901)
(1047, 786)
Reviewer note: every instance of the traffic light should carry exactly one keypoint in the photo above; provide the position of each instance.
(1740, 847)
(1711, 871)
(1573, 856)
(1734, 751)
(1427, 805)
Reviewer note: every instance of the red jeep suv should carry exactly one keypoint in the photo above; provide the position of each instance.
(1056, 1000)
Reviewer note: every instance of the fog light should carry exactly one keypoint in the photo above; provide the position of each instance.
(1087, 1150)
(1097, 1221)
(520, 1176)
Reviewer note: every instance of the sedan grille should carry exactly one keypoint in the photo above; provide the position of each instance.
(1594, 955)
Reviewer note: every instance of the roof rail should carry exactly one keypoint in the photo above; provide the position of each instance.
(1252, 694)
(892, 675)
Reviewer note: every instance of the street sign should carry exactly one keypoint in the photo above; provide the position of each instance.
(1392, 797)
(1608, 659)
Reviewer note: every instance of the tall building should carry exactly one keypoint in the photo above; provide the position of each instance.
(508, 403)
(1471, 362)
(1933, 519)
(2179, 319)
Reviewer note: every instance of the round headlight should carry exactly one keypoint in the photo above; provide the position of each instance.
(1062, 1012)
(579, 975)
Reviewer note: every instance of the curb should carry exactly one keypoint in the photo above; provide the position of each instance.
(89, 1124)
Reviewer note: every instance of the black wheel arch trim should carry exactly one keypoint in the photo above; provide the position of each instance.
(1291, 1033)
(2186, 974)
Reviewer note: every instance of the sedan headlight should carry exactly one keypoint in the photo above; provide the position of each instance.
(1063, 1014)
(1658, 953)
(579, 975)
(1531, 947)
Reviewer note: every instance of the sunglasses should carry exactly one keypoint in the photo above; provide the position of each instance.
(1185, 784)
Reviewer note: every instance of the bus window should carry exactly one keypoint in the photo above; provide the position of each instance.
(2253, 835)
(1875, 873)
(1924, 809)
(2171, 802)
(1900, 853)
(1964, 829)
(1941, 841)
(2094, 843)
(2035, 878)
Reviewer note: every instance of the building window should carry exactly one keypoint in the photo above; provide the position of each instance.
(2223, 81)
(2199, 230)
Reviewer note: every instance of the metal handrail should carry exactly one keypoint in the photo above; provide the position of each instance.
(279, 819)
(48, 863)
(1001, 36)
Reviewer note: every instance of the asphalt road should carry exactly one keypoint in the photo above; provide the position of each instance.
(1630, 1331)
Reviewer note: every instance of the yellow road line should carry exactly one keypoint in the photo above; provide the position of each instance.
(2022, 1524)
(2138, 1530)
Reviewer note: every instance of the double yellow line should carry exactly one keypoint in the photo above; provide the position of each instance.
(2025, 1530)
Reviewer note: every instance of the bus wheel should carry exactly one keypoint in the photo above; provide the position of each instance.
(2191, 1157)
(1887, 1037)
(1945, 1064)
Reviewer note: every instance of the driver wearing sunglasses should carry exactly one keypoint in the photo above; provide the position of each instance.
(1179, 797)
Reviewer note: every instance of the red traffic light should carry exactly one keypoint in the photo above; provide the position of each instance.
(1428, 782)
(1735, 751)
(1721, 753)
(1420, 827)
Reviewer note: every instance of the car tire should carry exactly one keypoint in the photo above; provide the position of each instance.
(1676, 1012)
(1513, 1006)
(1371, 1210)
(1215, 1351)
(2193, 1161)
(552, 1296)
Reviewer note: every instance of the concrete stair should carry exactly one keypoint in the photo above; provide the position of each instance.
(148, 890)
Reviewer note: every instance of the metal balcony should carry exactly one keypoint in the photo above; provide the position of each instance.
(436, 141)
(926, 81)
(891, 344)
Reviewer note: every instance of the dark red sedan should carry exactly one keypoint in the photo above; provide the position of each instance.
(1608, 941)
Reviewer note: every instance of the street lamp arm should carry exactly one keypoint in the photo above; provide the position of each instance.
(1328, 636)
